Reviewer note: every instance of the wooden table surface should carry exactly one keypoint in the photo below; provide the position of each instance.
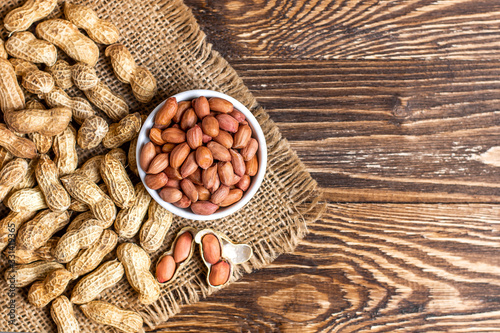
(394, 108)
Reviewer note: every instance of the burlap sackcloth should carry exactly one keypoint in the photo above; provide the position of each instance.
(165, 37)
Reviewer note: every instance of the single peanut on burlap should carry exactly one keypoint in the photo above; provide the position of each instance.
(36, 232)
(24, 45)
(12, 174)
(47, 176)
(64, 148)
(137, 264)
(77, 239)
(10, 224)
(28, 199)
(155, 229)
(64, 316)
(98, 93)
(101, 31)
(90, 286)
(24, 275)
(123, 131)
(23, 256)
(119, 186)
(92, 132)
(67, 37)
(41, 293)
(21, 18)
(126, 70)
(107, 314)
(129, 220)
(42, 142)
(47, 122)
(11, 94)
(90, 258)
(85, 190)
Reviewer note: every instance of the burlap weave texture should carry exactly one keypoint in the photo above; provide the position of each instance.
(164, 37)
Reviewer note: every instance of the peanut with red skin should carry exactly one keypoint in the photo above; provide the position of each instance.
(159, 163)
(167, 112)
(204, 157)
(155, 182)
(182, 247)
(250, 150)
(189, 166)
(204, 208)
(219, 273)
(147, 154)
(173, 135)
(179, 155)
(210, 126)
(211, 249)
(233, 196)
(181, 108)
(183, 203)
(220, 105)
(238, 115)
(194, 137)
(225, 139)
(195, 177)
(208, 176)
(189, 190)
(227, 123)
(244, 183)
(188, 120)
(165, 269)
(155, 135)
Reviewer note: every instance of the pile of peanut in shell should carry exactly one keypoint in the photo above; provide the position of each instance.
(64, 219)
(201, 155)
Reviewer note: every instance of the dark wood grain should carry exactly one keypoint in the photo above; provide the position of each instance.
(360, 29)
(407, 112)
(370, 268)
(399, 131)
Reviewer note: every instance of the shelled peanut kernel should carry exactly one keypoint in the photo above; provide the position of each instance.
(179, 254)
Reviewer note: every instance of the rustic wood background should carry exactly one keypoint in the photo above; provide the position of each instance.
(394, 108)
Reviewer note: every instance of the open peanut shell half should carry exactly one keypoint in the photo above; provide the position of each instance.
(220, 255)
(164, 266)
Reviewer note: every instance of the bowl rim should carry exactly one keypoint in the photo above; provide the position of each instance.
(258, 134)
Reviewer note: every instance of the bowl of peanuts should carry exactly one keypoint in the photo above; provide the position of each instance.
(201, 155)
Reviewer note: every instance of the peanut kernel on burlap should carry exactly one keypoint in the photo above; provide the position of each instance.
(164, 37)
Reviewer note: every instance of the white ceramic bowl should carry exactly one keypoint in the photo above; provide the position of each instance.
(261, 155)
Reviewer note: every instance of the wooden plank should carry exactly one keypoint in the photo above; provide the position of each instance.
(371, 268)
(405, 131)
(375, 29)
